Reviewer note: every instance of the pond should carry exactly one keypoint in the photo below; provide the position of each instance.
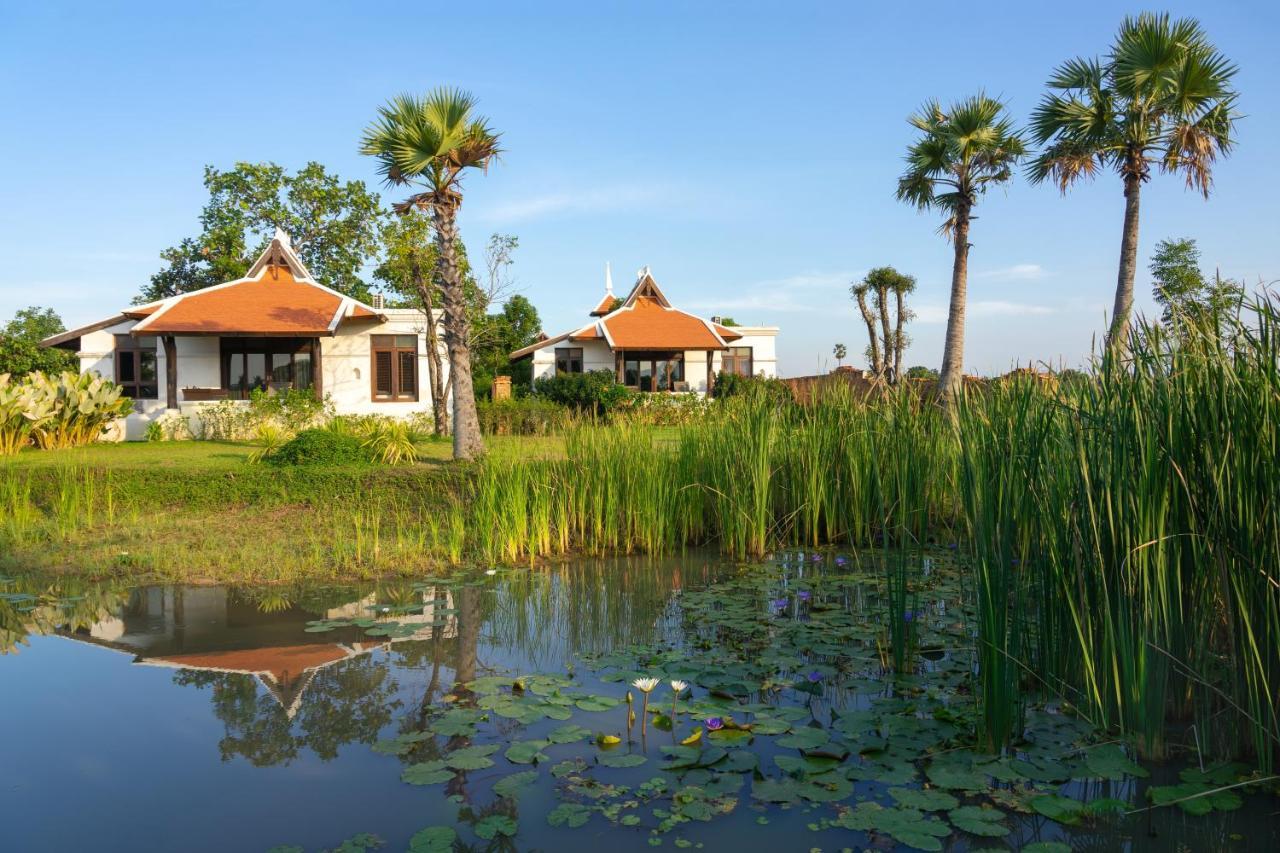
(489, 710)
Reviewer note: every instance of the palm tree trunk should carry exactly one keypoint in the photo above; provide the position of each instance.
(877, 365)
(1118, 337)
(439, 413)
(898, 340)
(467, 443)
(886, 335)
(952, 377)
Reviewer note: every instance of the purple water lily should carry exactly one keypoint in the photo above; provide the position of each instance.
(908, 616)
(815, 677)
(804, 595)
(714, 724)
(817, 558)
(780, 603)
(840, 561)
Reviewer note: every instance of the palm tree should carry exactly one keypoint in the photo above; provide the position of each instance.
(1162, 95)
(840, 351)
(962, 152)
(429, 142)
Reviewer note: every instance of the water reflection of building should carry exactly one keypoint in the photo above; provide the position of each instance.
(215, 630)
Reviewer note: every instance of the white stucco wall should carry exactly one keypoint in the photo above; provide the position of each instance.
(346, 362)
(596, 355)
(345, 366)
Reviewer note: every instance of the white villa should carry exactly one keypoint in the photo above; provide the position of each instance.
(275, 328)
(653, 346)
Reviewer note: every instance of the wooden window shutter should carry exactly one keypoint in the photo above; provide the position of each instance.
(382, 386)
(408, 374)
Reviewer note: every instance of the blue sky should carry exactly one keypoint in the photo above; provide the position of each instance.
(747, 152)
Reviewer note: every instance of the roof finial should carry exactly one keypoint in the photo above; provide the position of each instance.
(283, 237)
(608, 279)
(644, 272)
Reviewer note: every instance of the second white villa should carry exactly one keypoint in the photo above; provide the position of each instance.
(650, 345)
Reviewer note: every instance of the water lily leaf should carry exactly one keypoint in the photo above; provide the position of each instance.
(569, 734)
(401, 745)
(597, 703)
(729, 736)
(770, 726)
(956, 775)
(1195, 798)
(568, 768)
(976, 820)
(471, 757)
(527, 752)
(426, 773)
(776, 790)
(826, 789)
(460, 722)
(604, 740)
(572, 815)
(1056, 807)
(804, 766)
(693, 738)
(511, 786)
(494, 825)
(433, 839)
(622, 759)
(738, 761)
(1215, 775)
(1108, 761)
(806, 737)
(925, 800)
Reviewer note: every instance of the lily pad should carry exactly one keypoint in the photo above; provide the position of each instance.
(527, 752)
(925, 800)
(433, 839)
(511, 786)
(976, 820)
(493, 825)
(572, 815)
(622, 759)
(426, 773)
(471, 757)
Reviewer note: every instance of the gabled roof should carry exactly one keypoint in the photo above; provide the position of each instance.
(646, 320)
(276, 298)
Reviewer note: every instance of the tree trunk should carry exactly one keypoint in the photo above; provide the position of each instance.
(952, 378)
(467, 443)
(898, 340)
(877, 366)
(439, 413)
(886, 336)
(1118, 337)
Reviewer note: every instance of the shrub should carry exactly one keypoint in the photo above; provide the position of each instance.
(598, 392)
(74, 409)
(169, 427)
(664, 409)
(269, 437)
(391, 441)
(19, 415)
(293, 408)
(320, 447)
(733, 385)
(523, 416)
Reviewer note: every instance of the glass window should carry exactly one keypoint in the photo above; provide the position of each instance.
(737, 360)
(568, 359)
(394, 367)
(270, 364)
(136, 367)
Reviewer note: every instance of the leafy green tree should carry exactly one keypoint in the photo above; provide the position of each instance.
(333, 227)
(960, 154)
(885, 285)
(919, 371)
(516, 326)
(20, 351)
(840, 351)
(430, 142)
(1161, 97)
(1190, 300)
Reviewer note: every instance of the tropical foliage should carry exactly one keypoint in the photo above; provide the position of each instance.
(332, 224)
(888, 290)
(1161, 98)
(20, 350)
(962, 152)
(430, 142)
(53, 412)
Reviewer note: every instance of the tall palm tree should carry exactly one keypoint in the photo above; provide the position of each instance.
(1161, 96)
(429, 142)
(961, 153)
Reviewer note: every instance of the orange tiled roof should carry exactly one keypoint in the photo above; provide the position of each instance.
(282, 663)
(645, 324)
(605, 306)
(275, 303)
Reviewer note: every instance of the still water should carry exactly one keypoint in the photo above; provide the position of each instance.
(211, 718)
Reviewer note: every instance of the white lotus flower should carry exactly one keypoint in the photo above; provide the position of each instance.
(645, 685)
(678, 686)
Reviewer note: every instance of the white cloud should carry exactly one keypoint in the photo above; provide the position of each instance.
(576, 202)
(808, 291)
(1017, 272)
(982, 308)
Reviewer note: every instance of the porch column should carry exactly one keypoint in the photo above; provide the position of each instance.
(711, 374)
(170, 372)
(620, 361)
(317, 369)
